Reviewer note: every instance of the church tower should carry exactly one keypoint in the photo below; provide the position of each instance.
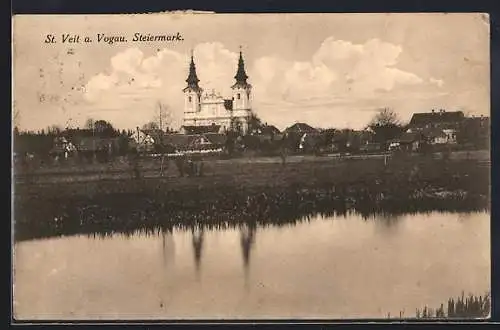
(241, 95)
(192, 95)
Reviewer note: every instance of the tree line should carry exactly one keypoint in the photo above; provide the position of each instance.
(383, 127)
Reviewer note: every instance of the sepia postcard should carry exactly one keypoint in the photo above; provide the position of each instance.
(203, 166)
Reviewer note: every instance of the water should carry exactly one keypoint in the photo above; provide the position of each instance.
(327, 268)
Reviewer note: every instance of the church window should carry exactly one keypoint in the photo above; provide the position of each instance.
(190, 99)
(238, 96)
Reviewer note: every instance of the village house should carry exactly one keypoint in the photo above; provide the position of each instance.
(196, 143)
(155, 141)
(436, 136)
(62, 147)
(370, 147)
(32, 144)
(437, 127)
(146, 141)
(300, 136)
(86, 143)
(408, 142)
(475, 131)
(300, 128)
(97, 144)
(348, 140)
(268, 134)
(269, 130)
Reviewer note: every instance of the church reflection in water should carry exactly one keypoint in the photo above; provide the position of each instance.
(168, 247)
(198, 234)
(247, 242)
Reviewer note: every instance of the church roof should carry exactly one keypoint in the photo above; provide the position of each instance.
(192, 79)
(241, 75)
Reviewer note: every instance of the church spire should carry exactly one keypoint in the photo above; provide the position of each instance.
(241, 76)
(192, 79)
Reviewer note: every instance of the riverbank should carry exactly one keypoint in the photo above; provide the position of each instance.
(267, 193)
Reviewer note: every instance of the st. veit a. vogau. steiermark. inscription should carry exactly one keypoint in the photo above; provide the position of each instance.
(69, 38)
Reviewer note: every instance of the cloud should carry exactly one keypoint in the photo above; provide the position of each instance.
(336, 69)
(338, 76)
(134, 83)
(437, 82)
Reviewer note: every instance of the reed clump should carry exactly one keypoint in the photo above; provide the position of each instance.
(461, 307)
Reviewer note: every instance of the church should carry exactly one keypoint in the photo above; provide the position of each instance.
(209, 112)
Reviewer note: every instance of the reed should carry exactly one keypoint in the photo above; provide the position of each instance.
(461, 307)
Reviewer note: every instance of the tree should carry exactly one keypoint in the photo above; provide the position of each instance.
(386, 125)
(89, 124)
(236, 126)
(254, 123)
(151, 126)
(103, 126)
(54, 129)
(162, 117)
(384, 117)
(104, 129)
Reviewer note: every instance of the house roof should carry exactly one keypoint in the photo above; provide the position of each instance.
(94, 143)
(181, 141)
(201, 129)
(176, 140)
(300, 128)
(215, 138)
(436, 117)
(269, 129)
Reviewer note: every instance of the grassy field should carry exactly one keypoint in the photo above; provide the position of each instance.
(150, 167)
(259, 190)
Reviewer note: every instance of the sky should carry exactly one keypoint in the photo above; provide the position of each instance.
(328, 70)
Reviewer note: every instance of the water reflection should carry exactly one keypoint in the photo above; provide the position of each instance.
(168, 246)
(464, 217)
(198, 234)
(337, 267)
(387, 224)
(247, 240)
